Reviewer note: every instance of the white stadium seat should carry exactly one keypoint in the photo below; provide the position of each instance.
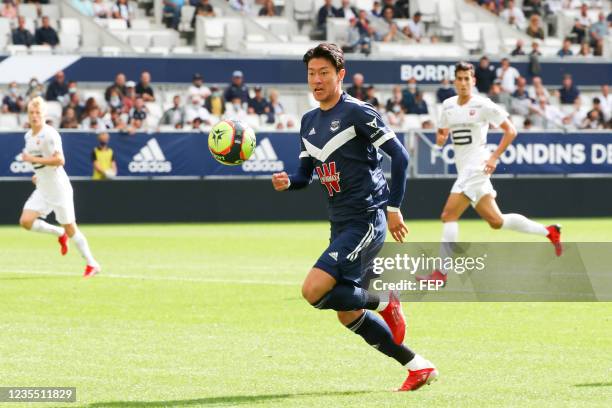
(28, 11)
(8, 121)
(70, 26)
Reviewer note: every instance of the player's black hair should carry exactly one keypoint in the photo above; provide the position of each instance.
(464, 66)
(330, 52)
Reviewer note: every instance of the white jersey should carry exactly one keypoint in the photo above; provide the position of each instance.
(51, 181)
(468, 125)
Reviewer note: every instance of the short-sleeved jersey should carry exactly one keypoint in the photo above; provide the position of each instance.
(343, 145)
(468, 126)
(52, 181)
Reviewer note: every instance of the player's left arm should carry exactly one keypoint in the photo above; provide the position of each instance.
(57, 159)
(509, 136)
(372, 126)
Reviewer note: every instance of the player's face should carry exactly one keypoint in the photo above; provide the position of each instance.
(464, 82)
(35, 116)
(323, 80)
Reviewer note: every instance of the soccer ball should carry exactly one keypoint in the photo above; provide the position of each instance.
(231, 142)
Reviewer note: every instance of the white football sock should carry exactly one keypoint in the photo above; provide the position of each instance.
(450, 233)
(81, 243)
(520, 223)
(46, 228)
(417, 363)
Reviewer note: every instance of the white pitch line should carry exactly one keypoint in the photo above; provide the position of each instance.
(156, 278)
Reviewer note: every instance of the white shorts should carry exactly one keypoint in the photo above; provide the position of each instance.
(64, 211)
(474, 185)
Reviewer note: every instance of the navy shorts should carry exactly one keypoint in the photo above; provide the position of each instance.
(353, 246)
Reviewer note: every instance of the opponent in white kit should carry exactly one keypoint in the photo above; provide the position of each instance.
(466, 118)
(43, 148)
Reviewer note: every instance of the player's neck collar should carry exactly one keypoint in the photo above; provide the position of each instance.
(464, 103)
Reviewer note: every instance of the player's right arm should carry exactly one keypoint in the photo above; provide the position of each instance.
(442, 136)
(300, 179)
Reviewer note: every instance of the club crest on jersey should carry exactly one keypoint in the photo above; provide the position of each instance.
(335, 125)
(329, 177)
(472, 112)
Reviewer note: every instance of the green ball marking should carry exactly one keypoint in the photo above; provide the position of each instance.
(248, 144)
(220, 138)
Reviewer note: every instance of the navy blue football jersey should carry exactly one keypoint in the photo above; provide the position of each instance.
(343, 145)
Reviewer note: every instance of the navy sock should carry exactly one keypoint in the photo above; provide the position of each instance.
(344, 297)
(377, 334)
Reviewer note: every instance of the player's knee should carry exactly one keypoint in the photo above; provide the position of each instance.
(312, 293)
(26, 222)
(70, 229)
(447, 216)
(496, 223)
(349, 317)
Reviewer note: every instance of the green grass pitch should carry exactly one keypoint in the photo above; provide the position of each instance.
(211, 315)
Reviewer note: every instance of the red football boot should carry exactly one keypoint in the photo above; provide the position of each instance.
(418, 378)
(554, 235)
(394, 317)
(63, 241)
(91, 270)
(436, 275)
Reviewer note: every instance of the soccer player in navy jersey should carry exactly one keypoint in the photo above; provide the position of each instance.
(340, 142)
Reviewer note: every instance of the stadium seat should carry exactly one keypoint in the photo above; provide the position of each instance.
(110, 51)
(303, 10)
(116, 24)
(337, 30)
(70, 26)
(164, 40)
(139, 40)
(17, 49)
(469, 35)
(68, 42)
(158, 50)
(30, 24)
(140, 24)
(28, 11)
(54, 109)
(183, 50)
(213, 32)
(187, 13)
(8, 121)
(411, 121)
(447, 16)
(155, 110)
(234, 34)
(428, 9)
(50, 10)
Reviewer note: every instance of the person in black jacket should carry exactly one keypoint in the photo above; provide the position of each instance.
(21, 35)
(45, 34)
(57, 87)
(485, 75)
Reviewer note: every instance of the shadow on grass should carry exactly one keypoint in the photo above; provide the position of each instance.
(231, 400)
(599, 384)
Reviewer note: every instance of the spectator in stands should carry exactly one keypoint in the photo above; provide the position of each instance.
(172, 9)
(118, 85)
(520, 103)
(237, 88)
(367, 32)
(35, 89)
(518, 49)
(419, 107)
(527, 124)
(387, 16)
(585, 50)
(76, 105)
(485, 75)
(536, 90)
(565, 50)
(568, 92)
(356, 90)
(12, 101)
(198, 88)
(534, 30)
(445, 90)
(243, 6)
(597, 106)
(497, 95)
(535, 49)
(347, 11)
(85, 7)
(371, 97)
(605, 99)
(135, 125)
(575, 118)
(215, 103)
(507, 75)
(21, 35)
(398, 10)
(143, 88)
(204, 7)
(116, 120)
(355, 41)
(377, 10)
(130, 96)
(326, 11)
(100, 9)
(593, 121)
(69, 119)
(45, 34)
(196, 124)
(578, 32)
(546, 116)
(415, 28)
(275, 105)
(175, 116)
(258, 105)
(393, 35)
(115, 101)
(93, 121)
(57, 87)
(268, 9)
(8, 9)
(513, 15)
(599, 30)
(196, 110)
(531, 7)
(409, 94)
(139, 111)
(395, 107)
(104, 164)
(123, 10)
(235, 110)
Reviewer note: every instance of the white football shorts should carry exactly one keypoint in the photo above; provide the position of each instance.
(64, 209)
(474, 184)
